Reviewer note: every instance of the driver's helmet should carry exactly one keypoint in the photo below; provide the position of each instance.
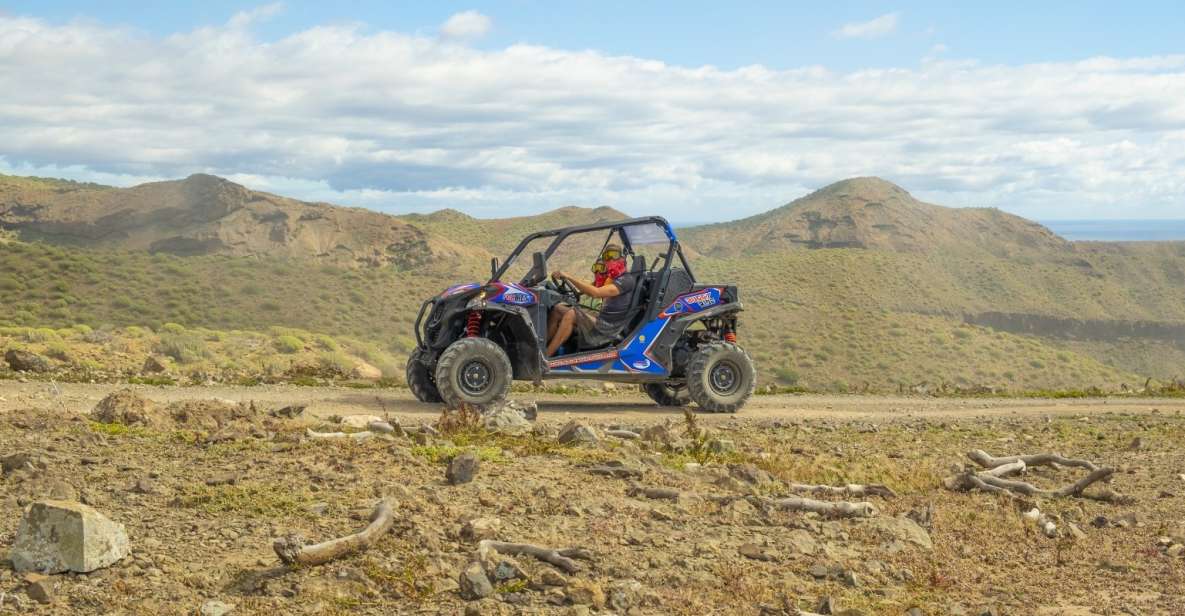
(610, 265)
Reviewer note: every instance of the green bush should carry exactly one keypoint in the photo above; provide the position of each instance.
(289, 344)
(184, 348)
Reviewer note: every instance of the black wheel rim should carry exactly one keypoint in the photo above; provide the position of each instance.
(475, 377)
(724, 378)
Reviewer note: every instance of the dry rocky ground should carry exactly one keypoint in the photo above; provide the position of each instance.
(205, 486)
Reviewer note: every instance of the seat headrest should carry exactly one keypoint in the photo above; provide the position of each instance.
(639, 265)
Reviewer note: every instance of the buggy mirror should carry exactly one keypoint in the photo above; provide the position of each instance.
(493, 268)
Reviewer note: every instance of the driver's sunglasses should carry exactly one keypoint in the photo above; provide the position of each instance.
(610, 254)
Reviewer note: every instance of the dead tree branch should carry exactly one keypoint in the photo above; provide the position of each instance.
(292, 550)
(985, 460)
(838, 509)
(561, 558)
(851, 489)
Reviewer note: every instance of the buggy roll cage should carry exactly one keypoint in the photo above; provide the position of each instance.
(562, 234)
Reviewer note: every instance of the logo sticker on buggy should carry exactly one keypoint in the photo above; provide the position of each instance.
(693, 302)
(582, 359)
(641, 364)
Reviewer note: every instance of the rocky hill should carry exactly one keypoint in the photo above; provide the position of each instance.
(204, 215)
(870, 213)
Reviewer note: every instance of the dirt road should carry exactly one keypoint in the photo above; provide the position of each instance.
(629, 406)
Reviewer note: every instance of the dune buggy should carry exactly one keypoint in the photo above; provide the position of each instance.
(679, 344)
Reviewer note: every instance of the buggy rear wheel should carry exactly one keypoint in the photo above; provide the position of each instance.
(721, 377)
(420, 379)
(667, 395)
(473, 371)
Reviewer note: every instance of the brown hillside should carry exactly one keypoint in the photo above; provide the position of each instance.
(204, 214)
(870, 213)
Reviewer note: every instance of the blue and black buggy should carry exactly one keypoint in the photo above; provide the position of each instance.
(679, 344)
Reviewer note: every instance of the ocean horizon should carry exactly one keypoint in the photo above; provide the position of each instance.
(1133, 230)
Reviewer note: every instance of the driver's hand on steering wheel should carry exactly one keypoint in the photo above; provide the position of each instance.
(558, 276)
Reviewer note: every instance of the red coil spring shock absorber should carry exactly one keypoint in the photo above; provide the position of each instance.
(730, 336)
(473, 324)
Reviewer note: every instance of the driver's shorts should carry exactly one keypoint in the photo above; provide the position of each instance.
(586, 328)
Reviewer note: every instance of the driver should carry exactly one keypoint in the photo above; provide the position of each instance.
(613, 284)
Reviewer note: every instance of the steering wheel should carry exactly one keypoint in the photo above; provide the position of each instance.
(565, 287)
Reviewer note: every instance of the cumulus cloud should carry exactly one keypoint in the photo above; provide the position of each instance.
(466, 25)
(873, 28)
(403, 122)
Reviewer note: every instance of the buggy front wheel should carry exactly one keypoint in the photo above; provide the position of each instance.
(473, 371)
(720, 377)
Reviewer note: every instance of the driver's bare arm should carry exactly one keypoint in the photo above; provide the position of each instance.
(605, 292)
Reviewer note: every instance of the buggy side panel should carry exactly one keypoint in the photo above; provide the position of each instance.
(641, 355)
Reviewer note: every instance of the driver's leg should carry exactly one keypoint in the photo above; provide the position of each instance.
(563, 331)
(553, 318)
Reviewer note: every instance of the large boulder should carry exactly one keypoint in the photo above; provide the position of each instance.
(60, 536)
(506, 419)
(24, 361)
(577, 433)
(125, 407)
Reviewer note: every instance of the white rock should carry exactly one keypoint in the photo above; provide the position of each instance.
(506, 419)
(59, 536)
(359, 422)
(366, 371)
(216, 608)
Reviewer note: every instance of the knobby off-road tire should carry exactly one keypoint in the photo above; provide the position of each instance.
(420, 379)
(665, 395)
(720, 377)
(473, 371)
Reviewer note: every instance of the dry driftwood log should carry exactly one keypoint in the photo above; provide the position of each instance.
(358, 436)
(628, 435)
(982, 458)
(837, 509)
(561, 558)
(851, 489)
(997, 470)
(292, 550)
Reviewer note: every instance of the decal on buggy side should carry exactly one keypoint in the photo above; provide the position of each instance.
(514, 294)
(693, 302)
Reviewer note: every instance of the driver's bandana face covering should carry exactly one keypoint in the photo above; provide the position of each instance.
(607, 270)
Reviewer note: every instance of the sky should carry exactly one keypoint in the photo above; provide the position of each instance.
(699, 111)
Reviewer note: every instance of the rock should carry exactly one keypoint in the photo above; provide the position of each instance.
(585, 592)
(1175, 550)
(658, 433)
(915, 611)
(479, 529)
(24, 361)
(224, 479)
(506, 419)
(366, 372)
(144, 486)
(215, 608)
(59, 536)
(291, 411)
(462, 469)
(819, 571)
(40, 590)
(1116, 567)
(577, 433)
(60, 490)
(501, 569)
(359, 422)
(749, 474)
(474, 583)
(755, 552)
(802, 541)
(1075, 531)
(1100, 521)
(153, 365)
(901, 529)
(22, 461)
(125, 407)
(1136, 444)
